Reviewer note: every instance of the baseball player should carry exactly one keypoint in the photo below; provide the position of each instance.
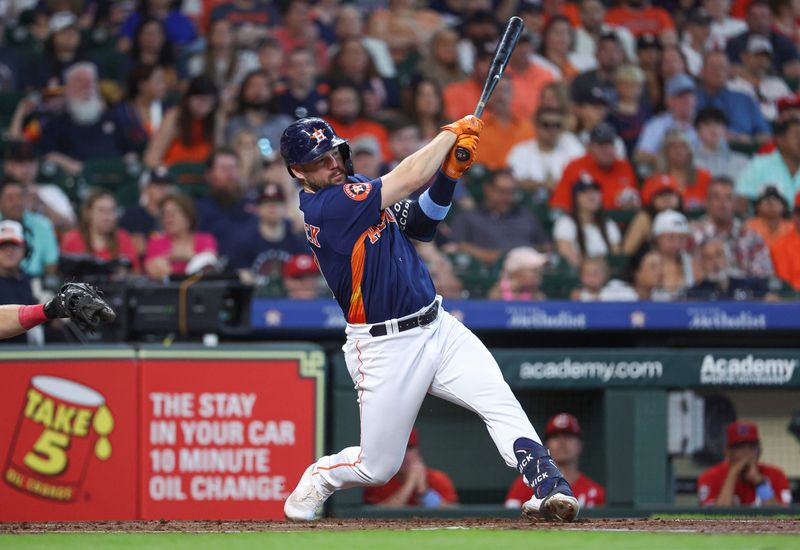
(401, 344)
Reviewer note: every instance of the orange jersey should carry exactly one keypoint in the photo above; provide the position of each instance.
(589, 493)
(616, 182)
(437, 480)
(497, 139)
(786, 259)
(653, 20)
(768, 236)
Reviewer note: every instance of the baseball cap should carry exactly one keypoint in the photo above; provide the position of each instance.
(759, 44)
(300, 265)
(679, 84)
(584, 183)
(200, 262)
(563, 423)
(648, 40)
(742, 431)
(699, 16)
(523, 257)
(593, 95)
(62, 20)
(272, 192)
(366, 144)
(670, 221)
(655, 185)
(11, 232)
(603, 132)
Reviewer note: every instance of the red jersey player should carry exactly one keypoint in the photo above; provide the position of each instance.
(741, 480)
(563, 437)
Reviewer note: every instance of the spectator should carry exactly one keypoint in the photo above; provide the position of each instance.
(151, 47)
(747, 125)
(141, 220)
(441, 64)
(649, 53)
(610, 56)
(677, 160)
(302, 95)
(353, 63)
(222, 61)
(189, 130)
(784, 251)
(670, 234)
(640, 17)
(426, 106)
(521, 276)
(404, 140)
(586, 232)
(593, 276)
(788, 107)
(479, 27)
(297, 30)
(98, 236)
(22, 165)
(673, 63)
(753, 78)
(15, 285)
(40, 238)
(591, 107)
(347, 117)
(718, 280)
(537, 163)
(415, 484)
(630, 112)
(267, 242)
(498, 225)
(780, 168)
(140, 115)
(615, 176)
(713, 153)
(745, 250)
(771, 216)
(405, 27)
(302, 279)
(785, 22)
(555, 52)
(255, 113)
(170, 252)
(696, 41)
(85, 130)
(593, 29)
(61, 50)
(445, 281)
(180, 30)
(723, 26)
(681, 101)
(741, 480)
(564, 439)
(785, 60)
(659, 193)
(502, 129)
(251, 19)
(461, 97)
(366, 156)
(529, 79)
(642, 280)
(350, 24)
(223, 211)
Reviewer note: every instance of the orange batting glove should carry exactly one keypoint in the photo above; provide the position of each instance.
(461, 156)
(470, 125)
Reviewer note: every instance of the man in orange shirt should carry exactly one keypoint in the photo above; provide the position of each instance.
(640, 17)
(460, 98)
(785, 249)
(346, 118)
(528, 78)
(502, 128)
(615, 176)
(415, 484)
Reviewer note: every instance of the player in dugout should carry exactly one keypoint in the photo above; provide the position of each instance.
(401, 344)
(563, 437)
(741, 480)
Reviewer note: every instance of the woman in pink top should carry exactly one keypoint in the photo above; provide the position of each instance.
(168, 252)
(98, 235)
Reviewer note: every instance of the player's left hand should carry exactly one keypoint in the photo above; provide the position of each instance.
(82, 303)
(455, 164)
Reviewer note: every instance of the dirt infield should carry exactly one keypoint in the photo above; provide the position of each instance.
(738, 526)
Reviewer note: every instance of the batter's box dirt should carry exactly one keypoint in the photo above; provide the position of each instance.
(759, 525)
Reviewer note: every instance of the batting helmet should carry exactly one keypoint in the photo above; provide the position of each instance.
(309, 138)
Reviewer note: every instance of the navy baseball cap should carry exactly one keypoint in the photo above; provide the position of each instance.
(594, 95)
(603, 132)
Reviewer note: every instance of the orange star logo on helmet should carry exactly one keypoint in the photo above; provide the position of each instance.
(319, 135)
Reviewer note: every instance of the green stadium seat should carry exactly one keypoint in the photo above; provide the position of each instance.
(8, 103)
(188, 173)
(695, 213)
(622, 217)
(617, 263)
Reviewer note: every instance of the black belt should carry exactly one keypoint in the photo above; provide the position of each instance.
(424, 318)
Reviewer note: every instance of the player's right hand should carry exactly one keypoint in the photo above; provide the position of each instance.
(469, 125)
(455, 164)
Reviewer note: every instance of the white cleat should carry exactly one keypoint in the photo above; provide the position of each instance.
(556, 507)
(305, 502)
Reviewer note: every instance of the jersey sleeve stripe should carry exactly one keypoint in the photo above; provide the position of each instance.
(356, 313)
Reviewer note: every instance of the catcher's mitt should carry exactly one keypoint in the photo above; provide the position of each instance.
(83, 304)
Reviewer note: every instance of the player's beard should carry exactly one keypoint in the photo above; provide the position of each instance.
(336, 178)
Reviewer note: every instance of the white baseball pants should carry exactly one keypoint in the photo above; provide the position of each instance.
(393, 373)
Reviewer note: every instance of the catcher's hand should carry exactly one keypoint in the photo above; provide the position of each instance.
(83, 304)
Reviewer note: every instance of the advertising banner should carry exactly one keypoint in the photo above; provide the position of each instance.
(227, 434)
(68, 424)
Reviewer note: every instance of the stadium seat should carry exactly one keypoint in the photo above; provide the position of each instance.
(622, 217)
(114, 175)
(188, 173)
(617, 263)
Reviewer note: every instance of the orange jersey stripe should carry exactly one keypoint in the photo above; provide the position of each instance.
(356, 313)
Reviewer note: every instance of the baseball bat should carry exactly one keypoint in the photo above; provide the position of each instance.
(499, 61)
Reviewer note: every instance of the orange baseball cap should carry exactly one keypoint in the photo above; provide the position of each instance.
(658, 184)
(742, 431)
(563, 423)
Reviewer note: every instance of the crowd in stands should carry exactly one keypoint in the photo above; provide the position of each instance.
(637, 150)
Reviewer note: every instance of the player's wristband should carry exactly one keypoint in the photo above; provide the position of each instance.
(764, 491)
(31, 316)
(430, 499)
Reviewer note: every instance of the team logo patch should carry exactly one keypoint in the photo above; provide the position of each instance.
(357, 191)
(319, 135)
